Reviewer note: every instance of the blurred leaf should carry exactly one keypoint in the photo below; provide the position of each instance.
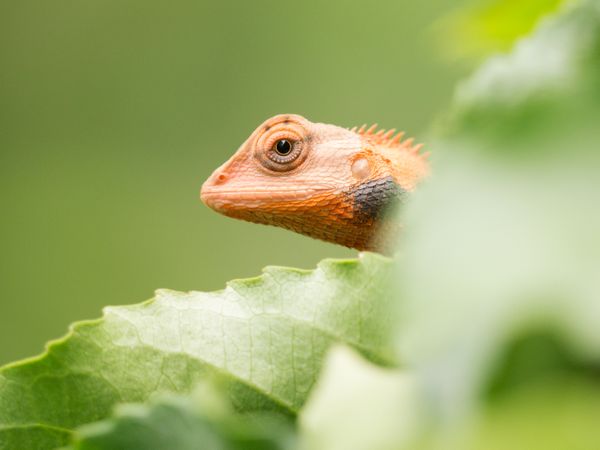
(264, 336)
(504, 241)
(562, 414)
(33, 437)
(200, 421)
(539, 356)
(532, 93)
(491, 26)
(359, 406)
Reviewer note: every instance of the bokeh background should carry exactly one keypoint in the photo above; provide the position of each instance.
(112, 114)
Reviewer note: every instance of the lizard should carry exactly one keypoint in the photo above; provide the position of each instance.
(324, 181)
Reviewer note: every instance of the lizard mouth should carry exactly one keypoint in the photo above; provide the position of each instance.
(222, 200)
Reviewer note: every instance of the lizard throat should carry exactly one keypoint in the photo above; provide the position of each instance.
(352, 217)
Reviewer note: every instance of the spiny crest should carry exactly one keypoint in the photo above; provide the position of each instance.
(388, 139)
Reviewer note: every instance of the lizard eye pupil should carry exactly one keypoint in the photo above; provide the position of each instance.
(283, 147)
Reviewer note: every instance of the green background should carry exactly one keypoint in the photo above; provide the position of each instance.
(113, 113)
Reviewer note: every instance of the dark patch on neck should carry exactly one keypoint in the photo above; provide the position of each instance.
(371, 200)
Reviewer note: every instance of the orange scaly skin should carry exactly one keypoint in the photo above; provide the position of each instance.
(320, 180)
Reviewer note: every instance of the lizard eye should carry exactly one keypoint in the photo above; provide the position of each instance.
(283, 152)
(283, 147)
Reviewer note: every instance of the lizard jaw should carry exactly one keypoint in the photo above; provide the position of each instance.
(226, 200)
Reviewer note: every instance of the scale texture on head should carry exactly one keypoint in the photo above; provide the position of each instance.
(324, 181)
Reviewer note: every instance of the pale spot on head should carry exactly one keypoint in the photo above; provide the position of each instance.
(361, 169)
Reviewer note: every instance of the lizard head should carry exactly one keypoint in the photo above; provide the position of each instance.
(320, 180)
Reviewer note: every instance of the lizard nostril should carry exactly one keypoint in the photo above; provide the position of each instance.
(207, 191)
(219, 178)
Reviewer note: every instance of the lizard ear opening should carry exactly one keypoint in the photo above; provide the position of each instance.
(361, 168)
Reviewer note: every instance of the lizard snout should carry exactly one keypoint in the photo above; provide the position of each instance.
(210, 187)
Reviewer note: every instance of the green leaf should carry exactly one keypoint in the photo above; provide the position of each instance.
(264, 336)
(357, 405)
(33, 437)
(492, 26)
(202, 420)
(502, 244)
(562, 414)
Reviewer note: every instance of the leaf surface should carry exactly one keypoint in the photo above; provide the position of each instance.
(201, 420)
(265, 337)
